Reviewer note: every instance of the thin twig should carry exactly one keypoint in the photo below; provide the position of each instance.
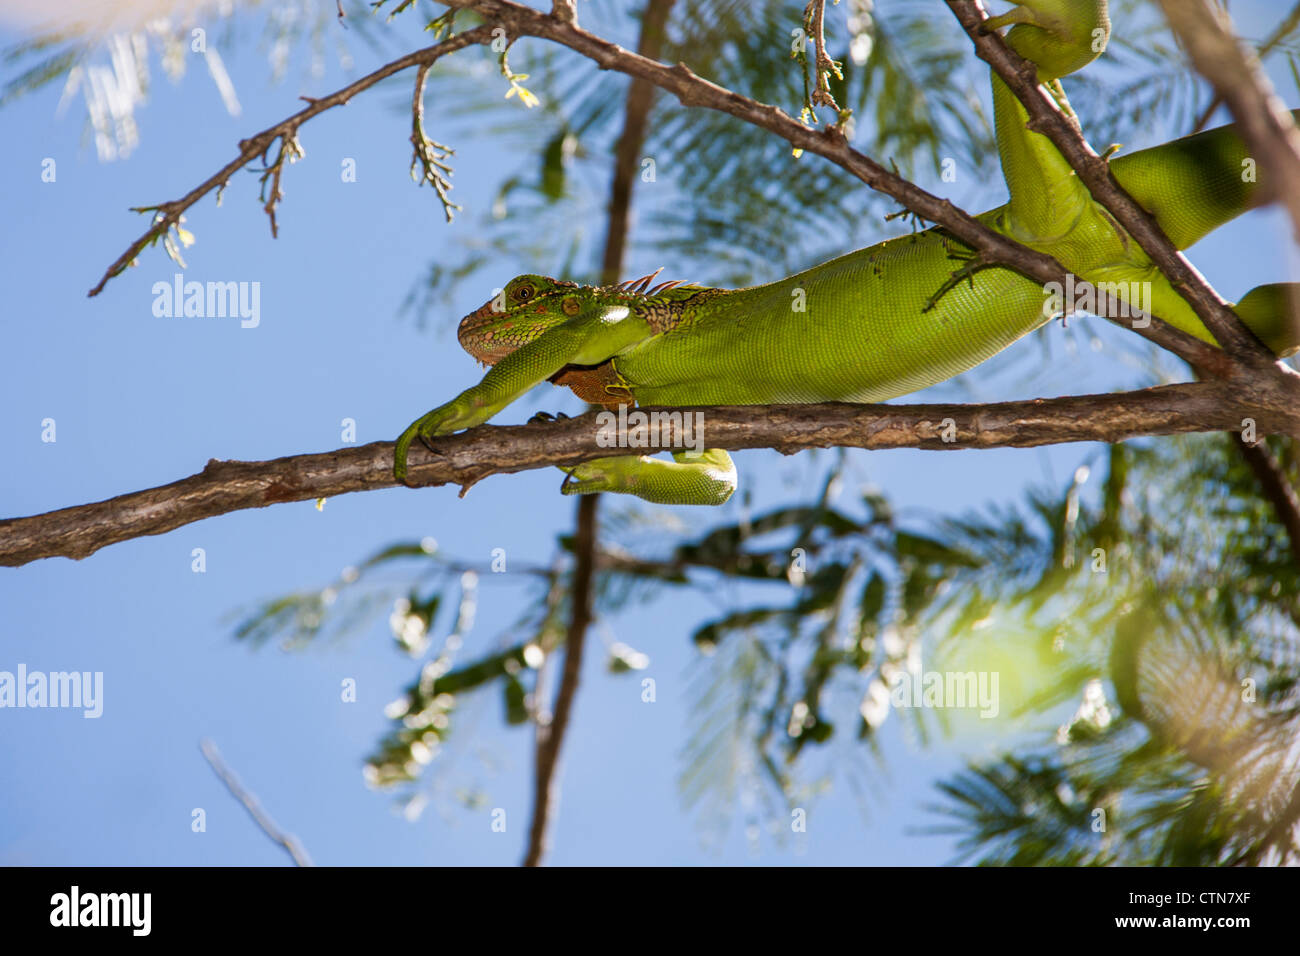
(431, 156)
(168, 214)
(292, 845)
(814, 16)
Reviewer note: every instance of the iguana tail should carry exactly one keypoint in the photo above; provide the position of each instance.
(1195, 184)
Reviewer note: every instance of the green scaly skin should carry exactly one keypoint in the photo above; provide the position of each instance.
(857, 328)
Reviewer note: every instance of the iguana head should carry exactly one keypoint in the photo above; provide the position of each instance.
(530, 305)
(518, 314)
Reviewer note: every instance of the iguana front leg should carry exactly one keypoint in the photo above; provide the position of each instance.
(587, 339)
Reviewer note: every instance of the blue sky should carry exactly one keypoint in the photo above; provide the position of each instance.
(140, 400)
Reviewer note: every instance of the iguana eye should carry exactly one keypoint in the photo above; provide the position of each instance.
(523, 293)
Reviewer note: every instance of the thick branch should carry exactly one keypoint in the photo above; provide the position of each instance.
(1239, 80)
(464, 459)
(169, 213)
(1044, 117)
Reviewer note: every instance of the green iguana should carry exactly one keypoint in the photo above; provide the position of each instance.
(869, 328)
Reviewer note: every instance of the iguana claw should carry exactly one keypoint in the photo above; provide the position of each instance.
(598, 474)
(443, 420)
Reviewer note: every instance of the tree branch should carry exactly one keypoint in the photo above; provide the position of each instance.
(551, 736)
(1265, 124)
(466, 458)
(168, 214)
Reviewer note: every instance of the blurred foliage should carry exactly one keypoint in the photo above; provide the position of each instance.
(1144, 632)
(1191, 630)
(109, 62)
